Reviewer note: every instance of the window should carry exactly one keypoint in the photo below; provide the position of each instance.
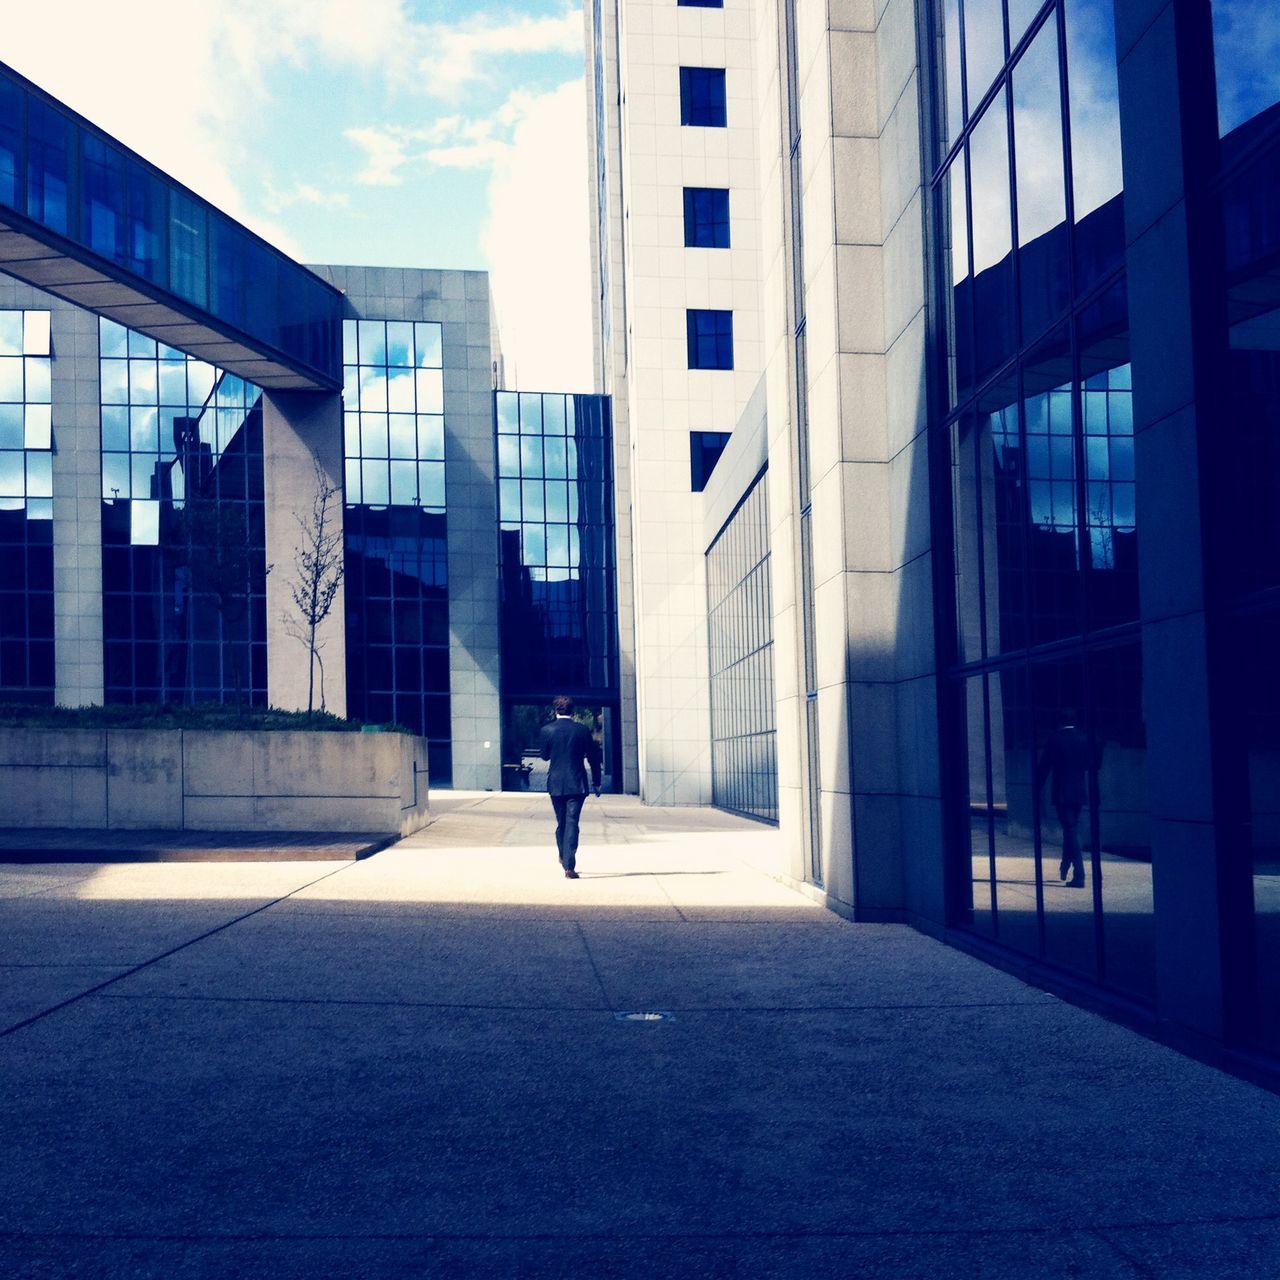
(705, 448)
(396, 531)
(706, 217)
(26, 509)
(710, 335)
(702, 99)
(700, 4)
(183, 526)
(744, 768)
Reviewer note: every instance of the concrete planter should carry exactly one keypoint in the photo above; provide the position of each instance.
(200, 780)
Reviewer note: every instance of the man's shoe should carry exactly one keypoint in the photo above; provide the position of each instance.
(1076, 884)
(1064, 869)
(570, 875)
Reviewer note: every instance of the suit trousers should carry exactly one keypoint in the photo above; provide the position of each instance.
(568, 812)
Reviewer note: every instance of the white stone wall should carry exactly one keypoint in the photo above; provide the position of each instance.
(658, 399)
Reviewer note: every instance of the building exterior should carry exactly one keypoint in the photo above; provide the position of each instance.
(1010, 310)
(175, 396)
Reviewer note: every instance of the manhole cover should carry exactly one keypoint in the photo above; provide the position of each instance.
(644, 1016)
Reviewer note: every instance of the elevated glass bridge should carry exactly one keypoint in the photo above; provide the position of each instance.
(85, 218)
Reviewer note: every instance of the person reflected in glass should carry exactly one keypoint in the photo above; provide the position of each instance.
(569, 746)
(1066, 759)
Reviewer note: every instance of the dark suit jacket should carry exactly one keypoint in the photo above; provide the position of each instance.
(568, 745)
(1067, 757)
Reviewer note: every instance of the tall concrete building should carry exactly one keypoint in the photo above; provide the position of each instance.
(989, 561)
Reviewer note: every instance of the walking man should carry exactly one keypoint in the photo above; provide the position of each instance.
(569, 745)
(1067, 757)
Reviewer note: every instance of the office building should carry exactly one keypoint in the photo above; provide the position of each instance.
(982, 293)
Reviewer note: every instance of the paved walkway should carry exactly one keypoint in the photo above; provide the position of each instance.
(413, 1065)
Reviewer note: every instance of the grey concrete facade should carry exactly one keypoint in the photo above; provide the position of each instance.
(460, 302)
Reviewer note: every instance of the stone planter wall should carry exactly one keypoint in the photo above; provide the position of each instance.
(198, 780)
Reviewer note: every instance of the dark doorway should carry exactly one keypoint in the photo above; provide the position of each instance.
(523, 768)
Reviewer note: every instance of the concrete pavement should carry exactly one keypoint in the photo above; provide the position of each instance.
(414, 1065)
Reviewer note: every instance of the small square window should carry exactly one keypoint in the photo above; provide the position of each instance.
(706, 217)
(710, 339)
(702, 97)
(705, 448)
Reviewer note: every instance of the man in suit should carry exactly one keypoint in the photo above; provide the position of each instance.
(1067, 758)
(569, 746)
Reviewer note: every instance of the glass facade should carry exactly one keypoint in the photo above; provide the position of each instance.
(26, 508)
(397, 589)
(183, 534)
(1047, 655)
(1246, 476)
(744, 766)
(65, 175)
(556, 557)
(702, 97)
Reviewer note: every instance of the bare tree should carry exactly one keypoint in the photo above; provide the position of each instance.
(319, 566)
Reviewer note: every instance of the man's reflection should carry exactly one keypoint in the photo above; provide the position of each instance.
(1066, 757)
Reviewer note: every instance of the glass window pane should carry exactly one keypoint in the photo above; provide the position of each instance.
(373, 342)
(427, 339)
(12, 426)
(403, 435)
(35, 333)
(11, 380)
(1096, 177)
(955, 102)
(431, 437)
(992, 240)
(400, 352)
(1248, 70)
(400, 391)
(38, 428)
(431, 481)
(430, 391)
(961, 332)
(1041, 184)
(983, 46)
(1019, 881)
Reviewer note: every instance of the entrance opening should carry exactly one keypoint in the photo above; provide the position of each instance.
(524, 769)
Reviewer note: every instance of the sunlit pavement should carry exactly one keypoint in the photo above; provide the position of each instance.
(414, 1065)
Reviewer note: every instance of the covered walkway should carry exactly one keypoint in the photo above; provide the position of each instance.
(421, 1064)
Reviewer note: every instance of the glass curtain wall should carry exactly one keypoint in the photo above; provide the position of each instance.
(183, 534)
(26, 509)
(555, 516)
(397, 589)
(1247, 471)
(1047, 665)
(744, 766)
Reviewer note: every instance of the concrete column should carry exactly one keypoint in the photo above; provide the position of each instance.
(1171, 307)
(300, 428)
(77, 504)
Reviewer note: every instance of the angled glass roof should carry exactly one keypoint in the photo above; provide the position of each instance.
(91, 221)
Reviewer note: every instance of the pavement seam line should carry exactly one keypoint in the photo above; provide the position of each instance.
(666, 894)
(164, 955)
(1096, 1230)
(586, 946)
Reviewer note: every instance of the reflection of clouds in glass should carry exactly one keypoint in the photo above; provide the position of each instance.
(1037, 122)
(1095, 107)
(951, 36)
(983, 46)
(1246, 42)
(989, 172)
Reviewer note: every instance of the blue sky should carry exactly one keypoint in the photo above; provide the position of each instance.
(394, 132)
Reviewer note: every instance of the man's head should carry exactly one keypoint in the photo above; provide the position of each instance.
(562, 706)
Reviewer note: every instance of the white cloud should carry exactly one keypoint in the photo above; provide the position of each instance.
(384, 156)
(456, 54)
(537, 243)
(304, 193)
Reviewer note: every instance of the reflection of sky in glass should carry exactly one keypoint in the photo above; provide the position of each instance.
(1246, 43)
(1037, 122)
(983, 46)
(393, 424)
(26, 463)
(989, 170)
(1094, 104)
(536, 462)
(955, 104)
